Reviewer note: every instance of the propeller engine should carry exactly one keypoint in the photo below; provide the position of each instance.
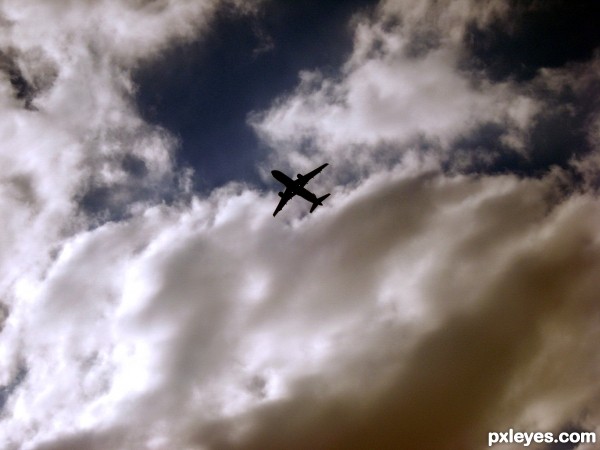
(280, 194)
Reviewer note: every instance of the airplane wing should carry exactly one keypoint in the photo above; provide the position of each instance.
(285, 196)
(306, 178)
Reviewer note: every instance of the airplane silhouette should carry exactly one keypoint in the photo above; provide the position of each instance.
(296, 187)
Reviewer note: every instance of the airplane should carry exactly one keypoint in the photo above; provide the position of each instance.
(296, 187)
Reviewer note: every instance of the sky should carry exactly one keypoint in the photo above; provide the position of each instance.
(447, 288)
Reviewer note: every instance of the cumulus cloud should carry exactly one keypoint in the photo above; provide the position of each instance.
(74, 154)
(217, 326)
(70, 134)
(453, 306)
(423, 306)
(403, 87)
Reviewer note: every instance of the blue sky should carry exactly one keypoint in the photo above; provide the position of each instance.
(242, 64)
(447, 288)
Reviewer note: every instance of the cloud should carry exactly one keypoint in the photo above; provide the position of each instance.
(69, 126)
(423, 306)
(431, 322)
(442, 337)
(402, 87)
(416, 81)
(571, 127)
(74, 154)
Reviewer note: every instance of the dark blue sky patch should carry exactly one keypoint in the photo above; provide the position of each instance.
(202, 92)
(102, 203)
(552, 34)
(556, 137)
(482, 151)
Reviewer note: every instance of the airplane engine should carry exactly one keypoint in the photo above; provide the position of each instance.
(280, 194)
(299, 176)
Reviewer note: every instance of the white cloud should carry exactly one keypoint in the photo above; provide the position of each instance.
(386, 96)
(157, 328)
(495, 282)
(73, 143)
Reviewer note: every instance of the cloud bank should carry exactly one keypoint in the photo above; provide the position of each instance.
(447, 289)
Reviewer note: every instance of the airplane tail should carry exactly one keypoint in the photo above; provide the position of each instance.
(319, 202)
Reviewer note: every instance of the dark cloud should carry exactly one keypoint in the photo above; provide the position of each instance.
(23, 89)
(7, 390)
(4, 312)
(30, 73)
(134, 165)
(421, 42)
